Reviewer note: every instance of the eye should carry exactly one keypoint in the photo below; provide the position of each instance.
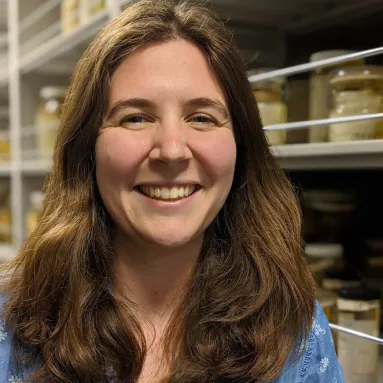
(201, 119)
(134, 119)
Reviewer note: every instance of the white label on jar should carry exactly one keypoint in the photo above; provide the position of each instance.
(358, 357)
(363, 130)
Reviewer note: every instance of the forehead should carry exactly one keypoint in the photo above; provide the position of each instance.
(176, 68)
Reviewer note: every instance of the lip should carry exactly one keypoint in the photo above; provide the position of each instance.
(161, 204)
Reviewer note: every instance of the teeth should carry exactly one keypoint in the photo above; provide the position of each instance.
(166, 193)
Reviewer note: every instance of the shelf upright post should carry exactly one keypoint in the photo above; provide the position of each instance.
(14, 121)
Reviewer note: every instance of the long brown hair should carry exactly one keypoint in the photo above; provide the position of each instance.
(251, 298)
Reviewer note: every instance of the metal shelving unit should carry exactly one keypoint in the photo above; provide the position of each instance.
(34, 53)
(332, 155)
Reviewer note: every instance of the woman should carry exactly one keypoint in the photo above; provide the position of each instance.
(169, 249)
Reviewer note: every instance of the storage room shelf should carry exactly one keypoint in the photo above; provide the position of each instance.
(61, 44)
(36, 167)
(330, 155)
(5, 169)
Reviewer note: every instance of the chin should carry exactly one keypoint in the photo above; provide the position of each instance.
(173, 240)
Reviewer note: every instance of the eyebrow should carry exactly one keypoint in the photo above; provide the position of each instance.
(200, 102)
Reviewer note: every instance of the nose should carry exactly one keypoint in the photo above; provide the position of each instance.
(171, 143)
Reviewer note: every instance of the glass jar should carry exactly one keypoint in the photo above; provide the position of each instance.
(5, 214)
(271, 105)
(47, 120)
(327, 300)
(363, 86)
(358, 309)
(35, 210)
(374, 272)
(319, 103)
(353, 103)
(5, 225)
(4, 145)
(70, 15)
(322, 257)
(90, 8)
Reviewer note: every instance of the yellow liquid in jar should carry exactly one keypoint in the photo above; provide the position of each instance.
(274, 113)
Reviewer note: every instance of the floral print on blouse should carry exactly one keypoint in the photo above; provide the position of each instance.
(318, 363)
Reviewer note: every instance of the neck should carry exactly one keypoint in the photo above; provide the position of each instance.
(153, 277)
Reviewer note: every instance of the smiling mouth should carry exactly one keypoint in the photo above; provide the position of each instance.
(174, 193)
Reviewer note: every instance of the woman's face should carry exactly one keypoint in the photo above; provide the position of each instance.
(165, 156)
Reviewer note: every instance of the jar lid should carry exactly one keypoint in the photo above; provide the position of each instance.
(323, 55)
(359, 293)
(48, 92)
(356, 73)
(324, 250)
(37, 198)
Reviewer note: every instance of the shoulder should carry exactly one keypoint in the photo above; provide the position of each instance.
(5, 344)
(318, 363)
(9, 371)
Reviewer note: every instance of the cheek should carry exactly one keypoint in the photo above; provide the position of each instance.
(218, 152)
(118, 154)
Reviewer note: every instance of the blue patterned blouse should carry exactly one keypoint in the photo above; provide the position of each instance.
(318, 363)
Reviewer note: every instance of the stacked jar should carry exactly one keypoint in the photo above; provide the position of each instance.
(319, 97)
(90, 8)
(78, 12)
(47, 119)
(358, 309)
(5, 214)
(269, 95)
(4, 145)
(34, 212)
(70, 15)
(356, 91)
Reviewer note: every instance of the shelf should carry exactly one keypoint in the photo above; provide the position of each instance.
(7, 252)
(5, 169)
(330, 155)
(62, 44)
(36, 167)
